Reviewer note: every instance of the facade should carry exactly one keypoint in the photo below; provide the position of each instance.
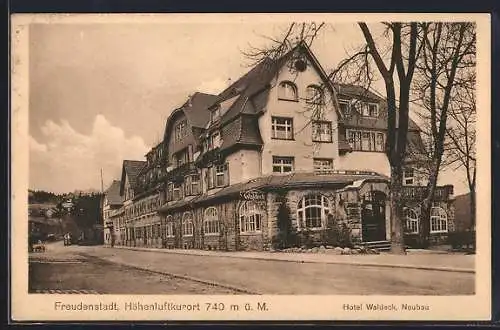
(282, 153)
(112, 202)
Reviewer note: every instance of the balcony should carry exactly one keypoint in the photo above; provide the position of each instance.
(178, 173)
(209, 157)
(418, 193)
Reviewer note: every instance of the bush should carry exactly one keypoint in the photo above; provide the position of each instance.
(462, 239)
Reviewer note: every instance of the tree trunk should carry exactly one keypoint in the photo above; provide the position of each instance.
(397, 230)
(425, 216)
(472, 209)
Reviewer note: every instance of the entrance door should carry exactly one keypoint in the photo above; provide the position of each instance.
(373, 217)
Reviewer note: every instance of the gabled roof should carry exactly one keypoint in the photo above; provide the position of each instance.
(253, 87)
(113, 193)
(131, 169)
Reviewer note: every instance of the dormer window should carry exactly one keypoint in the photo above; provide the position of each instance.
(287, 91)
(314, 95)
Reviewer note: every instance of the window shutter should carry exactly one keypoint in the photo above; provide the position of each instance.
(209, 178)
(187, 186)
(226, 174)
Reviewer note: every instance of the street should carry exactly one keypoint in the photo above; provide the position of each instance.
(97, 269)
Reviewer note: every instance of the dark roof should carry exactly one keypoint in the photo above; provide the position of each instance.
(113, 193)
(299, 180)
(131, 168)
(196, 109)
(243, 130)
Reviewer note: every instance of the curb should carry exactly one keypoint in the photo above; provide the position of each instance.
(184, 277)
(441, 269)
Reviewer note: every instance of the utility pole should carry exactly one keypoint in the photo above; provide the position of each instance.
(102, 184)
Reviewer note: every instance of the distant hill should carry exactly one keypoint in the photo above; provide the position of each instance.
(42, 197)
(462, 212)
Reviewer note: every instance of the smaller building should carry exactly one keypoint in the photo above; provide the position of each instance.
(112, 202)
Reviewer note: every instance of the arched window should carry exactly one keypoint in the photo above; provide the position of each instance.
(439, 220)
(312, 211)
(187, 224)
(211, 222)
(169, 226)
(314, 94)
(287, 91)
(250, 217)
(411, 220)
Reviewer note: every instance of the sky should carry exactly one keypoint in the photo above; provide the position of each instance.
(101, 93)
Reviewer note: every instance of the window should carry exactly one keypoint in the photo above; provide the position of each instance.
(250, 217)
(344, 106)
(322, 164)
(287, 91)
(180, 131)
(215, 114)
(169, 226)
(195, 184)
(312, 211)
(408, 176)
(218, 176)
(211, 222)
(411, 220)
(314, 95)
(372, 110)
(215, 140)
(282, 128)
(439, 220)
(187, 224)
(220, 173)
(176, 194)
(366, 140)
(322, 131)
(282, 164)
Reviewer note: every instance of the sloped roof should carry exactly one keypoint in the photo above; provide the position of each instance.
(131, 168)
(196, 109)
(243, 130)
(253, 87)
(292, 180)
(113, 193)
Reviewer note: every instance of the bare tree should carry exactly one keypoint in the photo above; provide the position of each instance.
(443, 72)
(396, 70)
(462, 140)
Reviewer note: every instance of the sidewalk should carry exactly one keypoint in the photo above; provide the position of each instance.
(413, 260)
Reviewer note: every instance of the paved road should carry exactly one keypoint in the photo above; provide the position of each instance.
(65, 271)
(274, 277)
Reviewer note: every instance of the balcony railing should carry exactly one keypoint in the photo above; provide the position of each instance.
(418, 193)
